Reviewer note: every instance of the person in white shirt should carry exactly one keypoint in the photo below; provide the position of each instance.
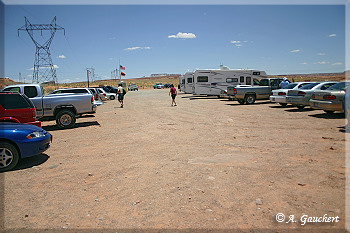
(284, 83)
(120, 92)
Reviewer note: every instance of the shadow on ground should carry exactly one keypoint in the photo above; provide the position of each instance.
(77, 125)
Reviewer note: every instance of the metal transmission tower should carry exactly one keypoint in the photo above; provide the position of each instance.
(44, 70)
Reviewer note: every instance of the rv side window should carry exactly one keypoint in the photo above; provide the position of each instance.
(183, 81)
(241, 79)
(232, 80)
(249, 80)
(256, 81)
(256, 73)
(202, 79)
(189, 80)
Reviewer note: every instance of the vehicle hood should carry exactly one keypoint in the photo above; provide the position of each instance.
(18, 126)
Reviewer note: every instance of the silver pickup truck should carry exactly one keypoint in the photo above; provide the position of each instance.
(64, 108)
(248, 94)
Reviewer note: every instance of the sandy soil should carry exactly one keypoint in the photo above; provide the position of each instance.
(207, 163)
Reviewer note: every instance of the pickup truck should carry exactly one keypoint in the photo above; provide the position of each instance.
(64, 108)
(248, 94)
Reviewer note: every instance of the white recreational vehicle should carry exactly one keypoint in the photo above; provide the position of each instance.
(182, 83)
(212, 82)
(186, 82)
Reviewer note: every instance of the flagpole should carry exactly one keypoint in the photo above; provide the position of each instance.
(120, 76)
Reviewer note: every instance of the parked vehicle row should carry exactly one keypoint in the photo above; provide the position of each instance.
(247, 86)
(62, 107)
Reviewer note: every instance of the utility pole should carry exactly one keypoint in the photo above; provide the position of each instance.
(44, 70)
(88, 72)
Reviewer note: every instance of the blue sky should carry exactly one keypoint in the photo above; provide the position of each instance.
(148, 39)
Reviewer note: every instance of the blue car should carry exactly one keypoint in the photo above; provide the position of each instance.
(20, 141)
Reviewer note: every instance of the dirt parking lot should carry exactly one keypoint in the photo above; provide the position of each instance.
(207, 163)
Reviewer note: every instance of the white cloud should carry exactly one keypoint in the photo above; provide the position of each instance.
(235, 41)
(238, 45)
(45, 67)
(322, 62)
(321, 54)
(61, 56)
(304, 63)
(66, 80)
(135, 48)
(337, 64)
(332, 35)
(183, 35)
(295, 51)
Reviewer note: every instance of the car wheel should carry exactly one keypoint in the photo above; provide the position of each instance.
(65, 119)
(250, 99)
(112, 97)
(240, 101)
(283, 104)
(301, 107)
(328, 111)
(9, 156)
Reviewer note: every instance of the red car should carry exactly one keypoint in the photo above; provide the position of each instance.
(17, 108)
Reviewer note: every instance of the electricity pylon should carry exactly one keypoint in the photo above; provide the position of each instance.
(44, 70)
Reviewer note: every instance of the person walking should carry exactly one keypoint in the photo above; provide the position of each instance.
(173, 94)
(121, 93)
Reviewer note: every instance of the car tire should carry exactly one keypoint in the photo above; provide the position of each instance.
(240, 101)
(301, 107)
(9, 156)
(283, 104)
(112, 97)
(250, 99)
(328, 111)
(65, 119)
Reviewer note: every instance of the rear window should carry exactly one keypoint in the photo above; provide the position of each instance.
(14, 101)
(309, 86)
(264, 82)
(30, 91)
(290, 86)
(339, 86)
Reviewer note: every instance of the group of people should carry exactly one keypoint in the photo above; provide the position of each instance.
(121, 93)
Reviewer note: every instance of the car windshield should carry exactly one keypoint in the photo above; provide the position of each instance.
(339, 86)
(309, 86)
(290, 86)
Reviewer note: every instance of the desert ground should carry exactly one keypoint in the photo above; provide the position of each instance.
(207, 164)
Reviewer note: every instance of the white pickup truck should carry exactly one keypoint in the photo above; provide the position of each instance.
(64, 108)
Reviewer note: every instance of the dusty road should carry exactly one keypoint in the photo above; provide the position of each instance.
(204, 164)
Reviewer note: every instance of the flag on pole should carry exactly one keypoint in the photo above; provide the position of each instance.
(122, 74)
(122, 67)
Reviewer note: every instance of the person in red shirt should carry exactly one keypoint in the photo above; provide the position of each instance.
(173, 94)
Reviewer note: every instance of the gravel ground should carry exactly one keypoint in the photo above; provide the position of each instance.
(207, 163)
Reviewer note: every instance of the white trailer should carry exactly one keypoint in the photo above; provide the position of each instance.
(182, 83)
(212, 82)
(188, 82)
